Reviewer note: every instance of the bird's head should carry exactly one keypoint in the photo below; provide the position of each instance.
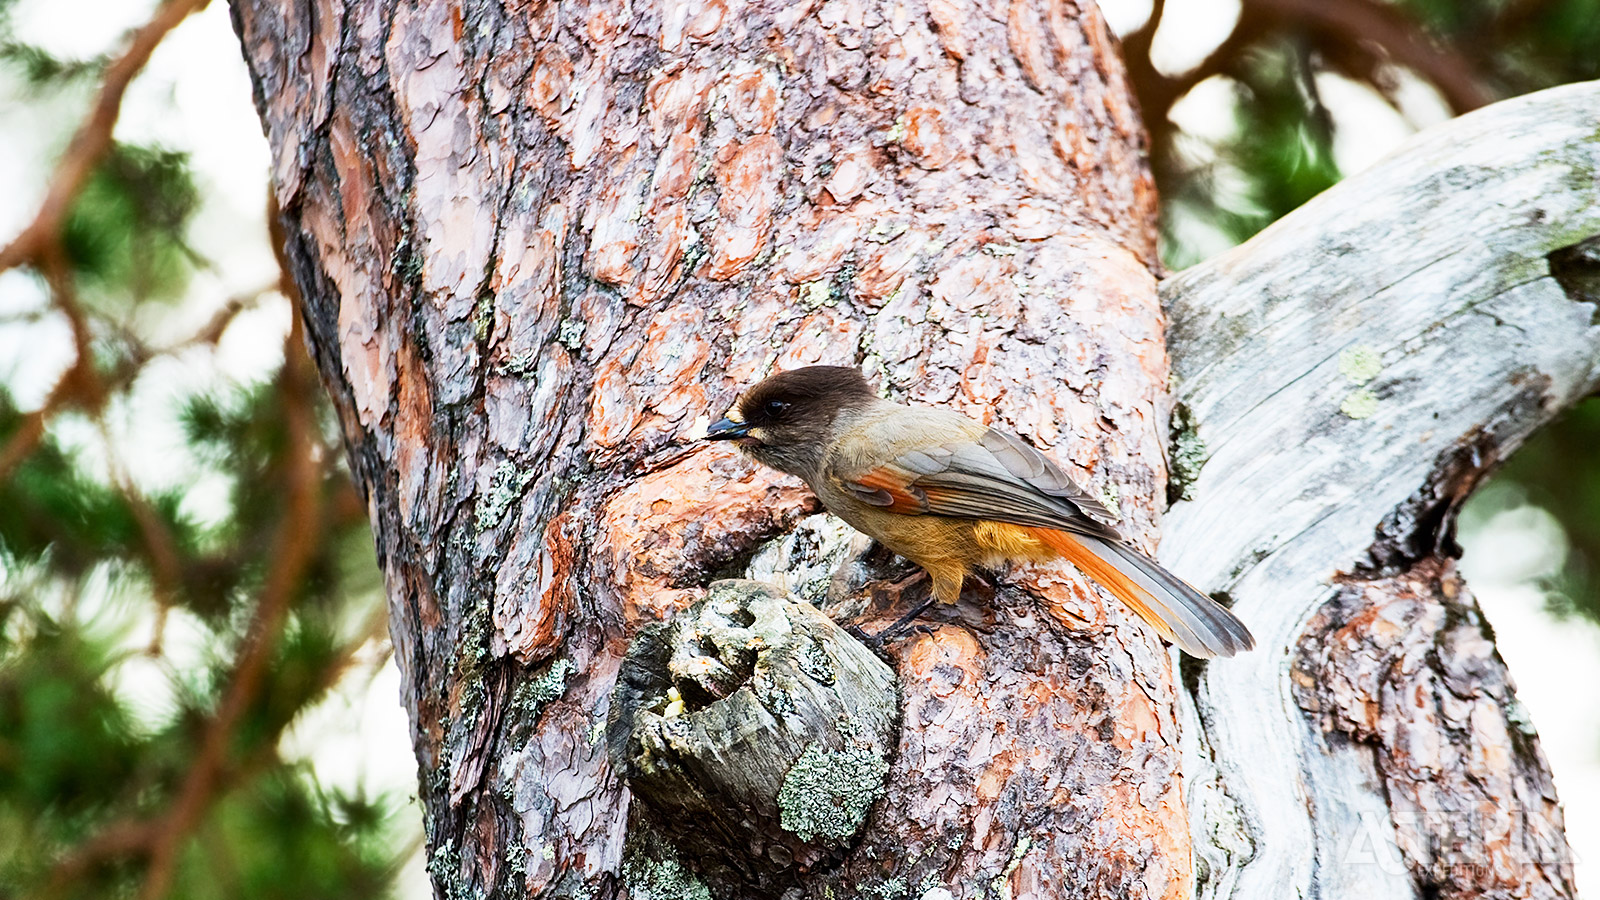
(787, 420)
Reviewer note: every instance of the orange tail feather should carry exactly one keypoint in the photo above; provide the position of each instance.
(1196, 623)
(1121, 586)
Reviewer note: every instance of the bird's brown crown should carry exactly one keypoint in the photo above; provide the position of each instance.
(803, 398)
(786, 421)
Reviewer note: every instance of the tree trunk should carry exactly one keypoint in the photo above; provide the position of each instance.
(538, 244)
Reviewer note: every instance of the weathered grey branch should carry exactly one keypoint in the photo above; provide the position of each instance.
(1344, 379)
(755, 732)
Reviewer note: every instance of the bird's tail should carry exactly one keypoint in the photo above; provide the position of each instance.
(1196, 623)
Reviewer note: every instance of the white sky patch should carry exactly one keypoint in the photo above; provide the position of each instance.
(1366, 128)
(1190, 30)
(77, 29)
(1554, 663)
(1208, 110)
(1125, 15)
(1420, 102)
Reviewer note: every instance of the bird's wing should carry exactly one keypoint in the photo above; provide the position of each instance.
(994, 476)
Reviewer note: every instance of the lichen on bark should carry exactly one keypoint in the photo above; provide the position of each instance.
(539, 243)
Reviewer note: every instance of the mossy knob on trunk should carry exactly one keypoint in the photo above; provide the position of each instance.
(755, 732)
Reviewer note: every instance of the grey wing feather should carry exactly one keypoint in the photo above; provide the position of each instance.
(1038, 470)
(1002, 478)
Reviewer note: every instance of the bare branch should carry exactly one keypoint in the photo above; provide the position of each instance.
(1355, 21)
(93, 139)
(299, 532)
(1349, 374)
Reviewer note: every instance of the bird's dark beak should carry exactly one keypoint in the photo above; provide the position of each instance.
(726, 429)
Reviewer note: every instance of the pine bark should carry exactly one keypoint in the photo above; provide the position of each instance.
(540, 245)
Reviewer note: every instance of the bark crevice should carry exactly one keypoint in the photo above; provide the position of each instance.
(756, 733)
(1576, 268)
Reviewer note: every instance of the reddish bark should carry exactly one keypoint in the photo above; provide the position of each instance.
(538, 243)
(1406, 664)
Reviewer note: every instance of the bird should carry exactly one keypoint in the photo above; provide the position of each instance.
(953, 495)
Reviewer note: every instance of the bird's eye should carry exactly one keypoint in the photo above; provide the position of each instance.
(776, 408)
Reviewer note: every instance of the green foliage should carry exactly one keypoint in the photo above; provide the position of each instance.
(1518, 47)
(128, 621)
(52, 513)
(1280, 156)
(63, 734)
(73, 758)
(277, 839)
(42, 72)
(125, 233)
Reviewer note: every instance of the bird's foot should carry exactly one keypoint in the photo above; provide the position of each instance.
(895, 630)
(982, 584)
(894, 591)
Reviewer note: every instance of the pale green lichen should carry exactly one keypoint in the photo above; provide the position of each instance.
(652, 871)
(532, 695)
(897, 131)
(571, 334)
(826, 793)
(1359, 364)
(1000, 885)
(886, 230)
(773, 697)
(517, 858)
(1108, 496)
(813, 659)
(814, 294)
(1188, 454)
(483, 317)
(891, 889)
(471, 652)
(1360, 404)
(1517, 715)
(519, 366)
(444, 864)
(843, 282)
(1022, 285)
(505, 486)
(664, 880)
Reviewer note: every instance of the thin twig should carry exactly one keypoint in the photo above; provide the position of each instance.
(1399, 36)
(299, 533)
(79, 385)
(1136, 44)
(161, 547)
(93, 138)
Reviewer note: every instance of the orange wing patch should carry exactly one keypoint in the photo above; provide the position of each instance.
(888, 490)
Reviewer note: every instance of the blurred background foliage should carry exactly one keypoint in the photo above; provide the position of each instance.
(159, 638)
(1287, 71)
